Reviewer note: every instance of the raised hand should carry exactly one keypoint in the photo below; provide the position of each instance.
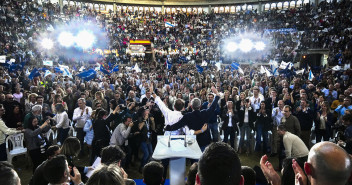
(269, 171)
(300, 177)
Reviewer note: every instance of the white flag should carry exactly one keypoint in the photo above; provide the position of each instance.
(204, 63)
(137, 69)
(240, 70)
(336, 68)
(262, 70)
(218, 65)
(300, 71)
(268, 73)
(81, 69)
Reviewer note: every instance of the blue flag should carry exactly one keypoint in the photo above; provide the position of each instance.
(168, 65)
(58, 70)
(87, 75)
(199, 69)
(116, 68)
(102, 69)
(34, 73)
(110, 66)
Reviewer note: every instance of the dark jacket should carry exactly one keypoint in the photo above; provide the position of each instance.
(101, 128)
(328, 124)
(225, 118)
(214, 115)
(251, 117)
(195, 121)
(305, 119)
(265, 120)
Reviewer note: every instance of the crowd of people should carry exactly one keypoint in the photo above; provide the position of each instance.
(116, 116)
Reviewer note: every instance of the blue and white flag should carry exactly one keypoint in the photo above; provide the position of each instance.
(262, 70)
(218, 65)
(47, 73)
(3, 59)
(66, 72)
(102, 69)
(285, 65)
(235, 65)
(199, 69)
(168, 25)
(48, 62)
(116, 68)
(87, 75)
(311, 76)
(82, 69)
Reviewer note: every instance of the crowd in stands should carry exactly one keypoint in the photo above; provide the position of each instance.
(118, 115)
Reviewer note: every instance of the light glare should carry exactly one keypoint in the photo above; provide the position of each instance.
(66, 39)
(259, 46)
(47, 43)
(85, 39)
(246, 45)
(231, 47)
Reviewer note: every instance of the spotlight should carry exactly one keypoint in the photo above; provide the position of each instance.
(47, 43)
(231, 47)
(66, 39)
(259, 46)
(85, 39)
(246, 45)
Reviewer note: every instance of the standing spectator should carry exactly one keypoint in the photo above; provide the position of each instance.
(88, 129)
(230, 118)
(305, 116)
(213, 122)
(80, 115)
(18, 95)
(62, 123)
(247, 118)
(345, 106)
(35, 141)
(263, 125)
(290, 121)
(31, 102)
(15, 118)
(324, 120)
(277, 114)
(4, 130)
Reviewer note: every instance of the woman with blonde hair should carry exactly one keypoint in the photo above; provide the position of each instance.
(99, 98)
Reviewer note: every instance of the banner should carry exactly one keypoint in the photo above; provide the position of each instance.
(48, 62)
(2, 59)
(168, 25)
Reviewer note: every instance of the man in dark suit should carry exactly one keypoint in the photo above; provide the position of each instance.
(197, 118)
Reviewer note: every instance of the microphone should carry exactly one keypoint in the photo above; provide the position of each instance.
(185, 141)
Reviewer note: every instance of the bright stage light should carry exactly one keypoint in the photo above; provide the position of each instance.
(246, 45)
(66, 39)
(85, 39)
(259, 46)
(47, 43)
(231, 47)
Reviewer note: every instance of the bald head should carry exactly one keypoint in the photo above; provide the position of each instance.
(331, 164)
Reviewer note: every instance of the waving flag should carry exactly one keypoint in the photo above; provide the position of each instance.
(262, 70)
(310, 76)
(47, 73)
(137, 69)
(87, 75)
(48, 63)
(34, 73)
(218, 65)
(168, 24)
(235, 65)
(300, 71)
(116, 68)
(240, 70)
(82, 68)
(102, 69)
(168, 64)
(199, 69)
(66, 72)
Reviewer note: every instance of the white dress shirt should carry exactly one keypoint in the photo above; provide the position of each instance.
(62, 120)
(81, 120)
(171, 117)
(257, 101)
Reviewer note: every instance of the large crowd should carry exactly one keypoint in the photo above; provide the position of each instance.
(116, 116)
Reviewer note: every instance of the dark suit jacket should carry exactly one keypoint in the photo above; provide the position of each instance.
(195, 120)
(251, 117)
(265, 120)
(226, 119)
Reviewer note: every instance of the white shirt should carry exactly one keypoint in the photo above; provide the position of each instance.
(62, 120)
(246, 120)
(230, 119)
(81, 120)
(277, 118)
(294, 146)
(171, 117)
(256, 105)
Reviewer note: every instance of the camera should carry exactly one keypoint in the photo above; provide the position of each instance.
(122, 107)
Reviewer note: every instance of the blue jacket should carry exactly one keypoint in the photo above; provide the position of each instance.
(89, 132)
(213, 118)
